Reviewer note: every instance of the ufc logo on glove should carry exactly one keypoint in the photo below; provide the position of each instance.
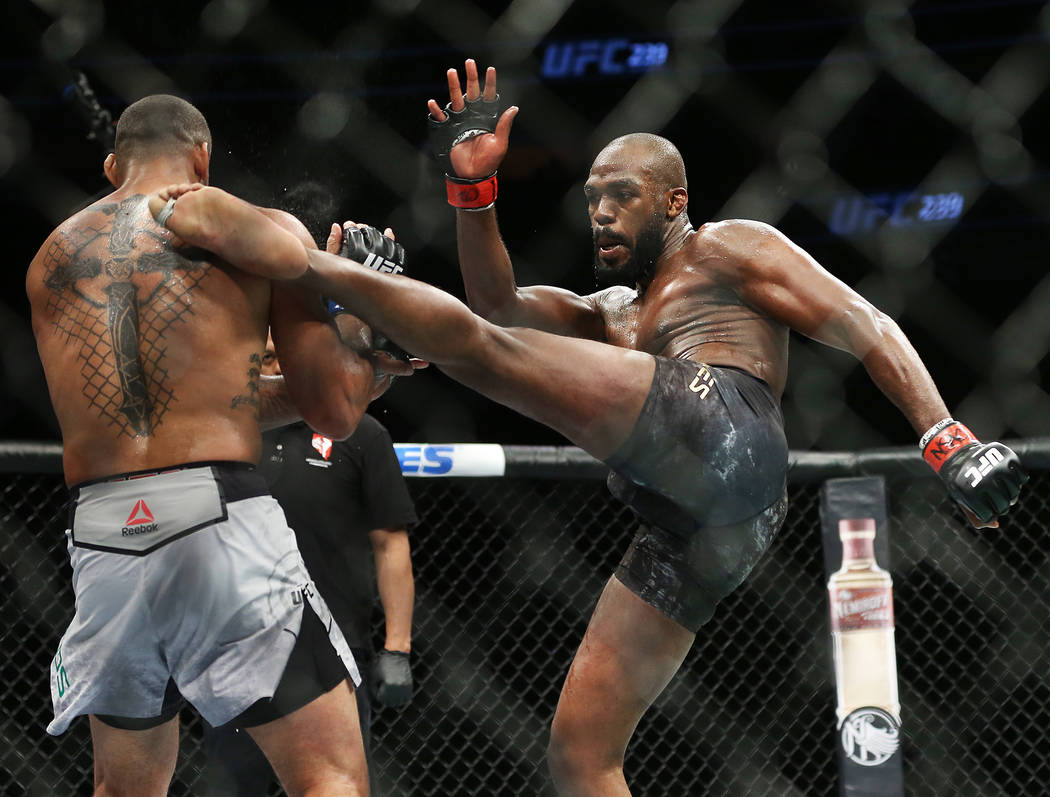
(369, 247)
(379, 263)
(985, 464)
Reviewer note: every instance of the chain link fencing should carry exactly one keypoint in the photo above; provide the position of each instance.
(507, 573)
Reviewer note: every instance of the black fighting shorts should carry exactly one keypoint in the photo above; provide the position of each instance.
(704, 469)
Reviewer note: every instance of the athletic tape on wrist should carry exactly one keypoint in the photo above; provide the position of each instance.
(471, 194)
(165, 212)
(933, 430)
(943, 442)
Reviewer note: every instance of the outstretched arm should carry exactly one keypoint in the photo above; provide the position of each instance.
(212, 219)
(488, 274)
(330, 384)
(780, 279)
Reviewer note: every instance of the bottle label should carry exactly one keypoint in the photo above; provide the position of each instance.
(861, 609)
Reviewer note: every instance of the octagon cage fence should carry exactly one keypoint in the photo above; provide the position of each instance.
(508, 570)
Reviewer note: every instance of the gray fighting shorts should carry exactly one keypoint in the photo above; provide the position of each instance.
(189, 576)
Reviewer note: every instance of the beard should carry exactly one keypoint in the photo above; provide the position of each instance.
(640, 264)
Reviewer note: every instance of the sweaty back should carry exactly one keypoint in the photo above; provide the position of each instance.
(151, 352)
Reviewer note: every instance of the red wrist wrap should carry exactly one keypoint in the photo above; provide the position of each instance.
(945, 443)
(471, 194)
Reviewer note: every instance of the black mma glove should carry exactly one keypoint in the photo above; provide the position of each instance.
(392, 673)
(371, 248)
(477, 118)
(983, 478)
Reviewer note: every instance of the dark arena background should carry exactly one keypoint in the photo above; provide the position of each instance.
(905, 145)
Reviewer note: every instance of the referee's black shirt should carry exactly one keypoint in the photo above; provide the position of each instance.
(333, 494)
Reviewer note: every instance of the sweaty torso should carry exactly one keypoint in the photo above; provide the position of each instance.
(692, 311)
(151, 352)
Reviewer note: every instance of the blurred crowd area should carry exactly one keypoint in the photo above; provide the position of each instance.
(905, 145)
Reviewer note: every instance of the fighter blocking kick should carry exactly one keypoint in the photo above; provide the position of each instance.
(673, 380)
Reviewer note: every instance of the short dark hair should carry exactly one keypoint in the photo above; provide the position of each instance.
(662, 158)
(159, 124)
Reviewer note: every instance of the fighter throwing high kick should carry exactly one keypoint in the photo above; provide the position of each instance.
(673, 379)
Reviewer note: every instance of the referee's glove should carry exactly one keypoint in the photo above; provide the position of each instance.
(392, 673)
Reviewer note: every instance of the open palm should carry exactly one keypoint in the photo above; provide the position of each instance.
(481, 155)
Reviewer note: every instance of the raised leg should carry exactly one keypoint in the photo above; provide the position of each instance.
(317, 750)
(590, 392)
(628, 655)
(134, 763)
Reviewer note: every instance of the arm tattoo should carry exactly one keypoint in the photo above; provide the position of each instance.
(115, 292)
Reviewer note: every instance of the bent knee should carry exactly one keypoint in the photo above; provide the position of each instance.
(576, 753)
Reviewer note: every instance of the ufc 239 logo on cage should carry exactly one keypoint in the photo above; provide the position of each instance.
(988, 460)
(870, 736)
(701, 384)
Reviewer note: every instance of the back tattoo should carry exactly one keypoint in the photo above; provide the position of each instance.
(119, 323)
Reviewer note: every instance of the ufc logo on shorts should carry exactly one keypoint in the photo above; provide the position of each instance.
(987, 461)
(381, 264)
(303, 593)
(702, 382)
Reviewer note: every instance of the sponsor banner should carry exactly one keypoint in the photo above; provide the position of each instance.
(451, 459)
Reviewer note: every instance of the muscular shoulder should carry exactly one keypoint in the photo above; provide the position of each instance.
(610, 300)
(292, 224)
(739, 247)
(80, 238)
(742, 238)
(88, 220)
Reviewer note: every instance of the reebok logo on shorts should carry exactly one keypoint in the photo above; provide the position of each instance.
(140, 521)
